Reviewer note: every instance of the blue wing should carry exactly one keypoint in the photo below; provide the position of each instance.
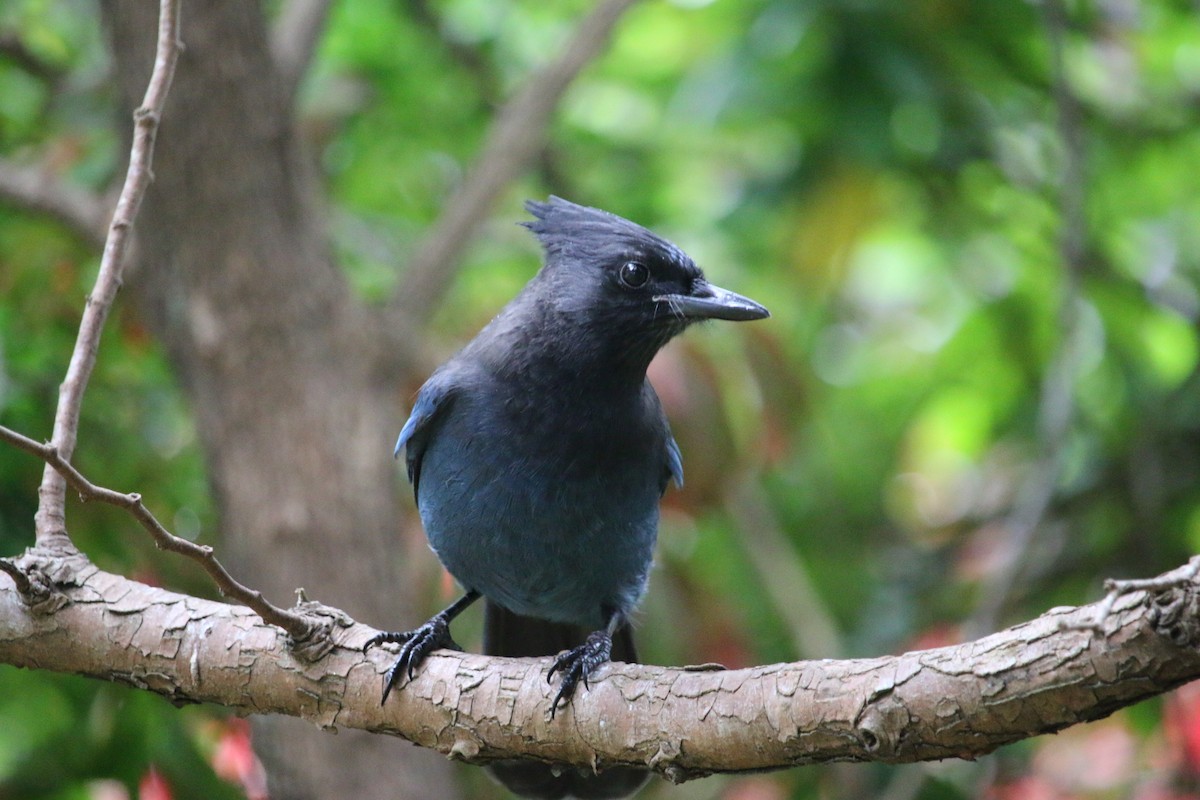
(432, 400)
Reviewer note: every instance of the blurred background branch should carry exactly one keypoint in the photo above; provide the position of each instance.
(1056, 410)
(294, 39)
(516, 136)
(40, 192)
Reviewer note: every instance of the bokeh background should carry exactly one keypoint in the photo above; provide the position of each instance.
(976, 224)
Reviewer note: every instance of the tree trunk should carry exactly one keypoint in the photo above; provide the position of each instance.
(235, 277)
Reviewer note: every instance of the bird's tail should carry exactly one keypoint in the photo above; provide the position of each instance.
(509, 634)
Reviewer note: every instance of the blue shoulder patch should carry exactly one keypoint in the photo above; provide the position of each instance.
(675, 461)
(430, 400)
(417, 416)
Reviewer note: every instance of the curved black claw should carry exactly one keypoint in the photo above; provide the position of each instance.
(415, 646)
(577, 665)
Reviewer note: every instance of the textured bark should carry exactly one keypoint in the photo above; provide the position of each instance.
(961, 701)
(275, 356)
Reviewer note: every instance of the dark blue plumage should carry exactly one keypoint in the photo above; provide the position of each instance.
(539, 452)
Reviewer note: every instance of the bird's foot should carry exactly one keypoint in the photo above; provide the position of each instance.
(576, 665)
(415, 646)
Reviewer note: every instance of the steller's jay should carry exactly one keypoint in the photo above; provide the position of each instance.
(539, 452)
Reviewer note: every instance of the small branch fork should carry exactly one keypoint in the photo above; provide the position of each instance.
(50, 521)
(297, 625)
(1119, 588)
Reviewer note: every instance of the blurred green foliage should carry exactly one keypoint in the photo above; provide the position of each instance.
(976, 225)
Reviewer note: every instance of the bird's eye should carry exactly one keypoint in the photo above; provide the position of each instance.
(634, 274)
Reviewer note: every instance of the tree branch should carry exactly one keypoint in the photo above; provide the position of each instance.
(294, 40)
(50, 519)
(34, 189)
(952, 702)
(515, 138)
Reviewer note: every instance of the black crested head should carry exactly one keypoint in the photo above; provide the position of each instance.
(623, 276)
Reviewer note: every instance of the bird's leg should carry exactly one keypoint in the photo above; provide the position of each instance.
(417, 644)
(577, 664)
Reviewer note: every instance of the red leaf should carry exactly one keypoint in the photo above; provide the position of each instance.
(235, 760)
(153, 786)
(1181, 719)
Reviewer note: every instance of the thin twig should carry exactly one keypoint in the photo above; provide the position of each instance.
(36, 189)
(514, 140)
(294, 40)
(295, 624)
(50, 520)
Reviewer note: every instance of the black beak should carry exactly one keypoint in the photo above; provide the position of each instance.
(706, 301)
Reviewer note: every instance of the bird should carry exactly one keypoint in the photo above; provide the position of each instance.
(538, 455)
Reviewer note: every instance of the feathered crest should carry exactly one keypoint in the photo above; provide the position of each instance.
(567, 230)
